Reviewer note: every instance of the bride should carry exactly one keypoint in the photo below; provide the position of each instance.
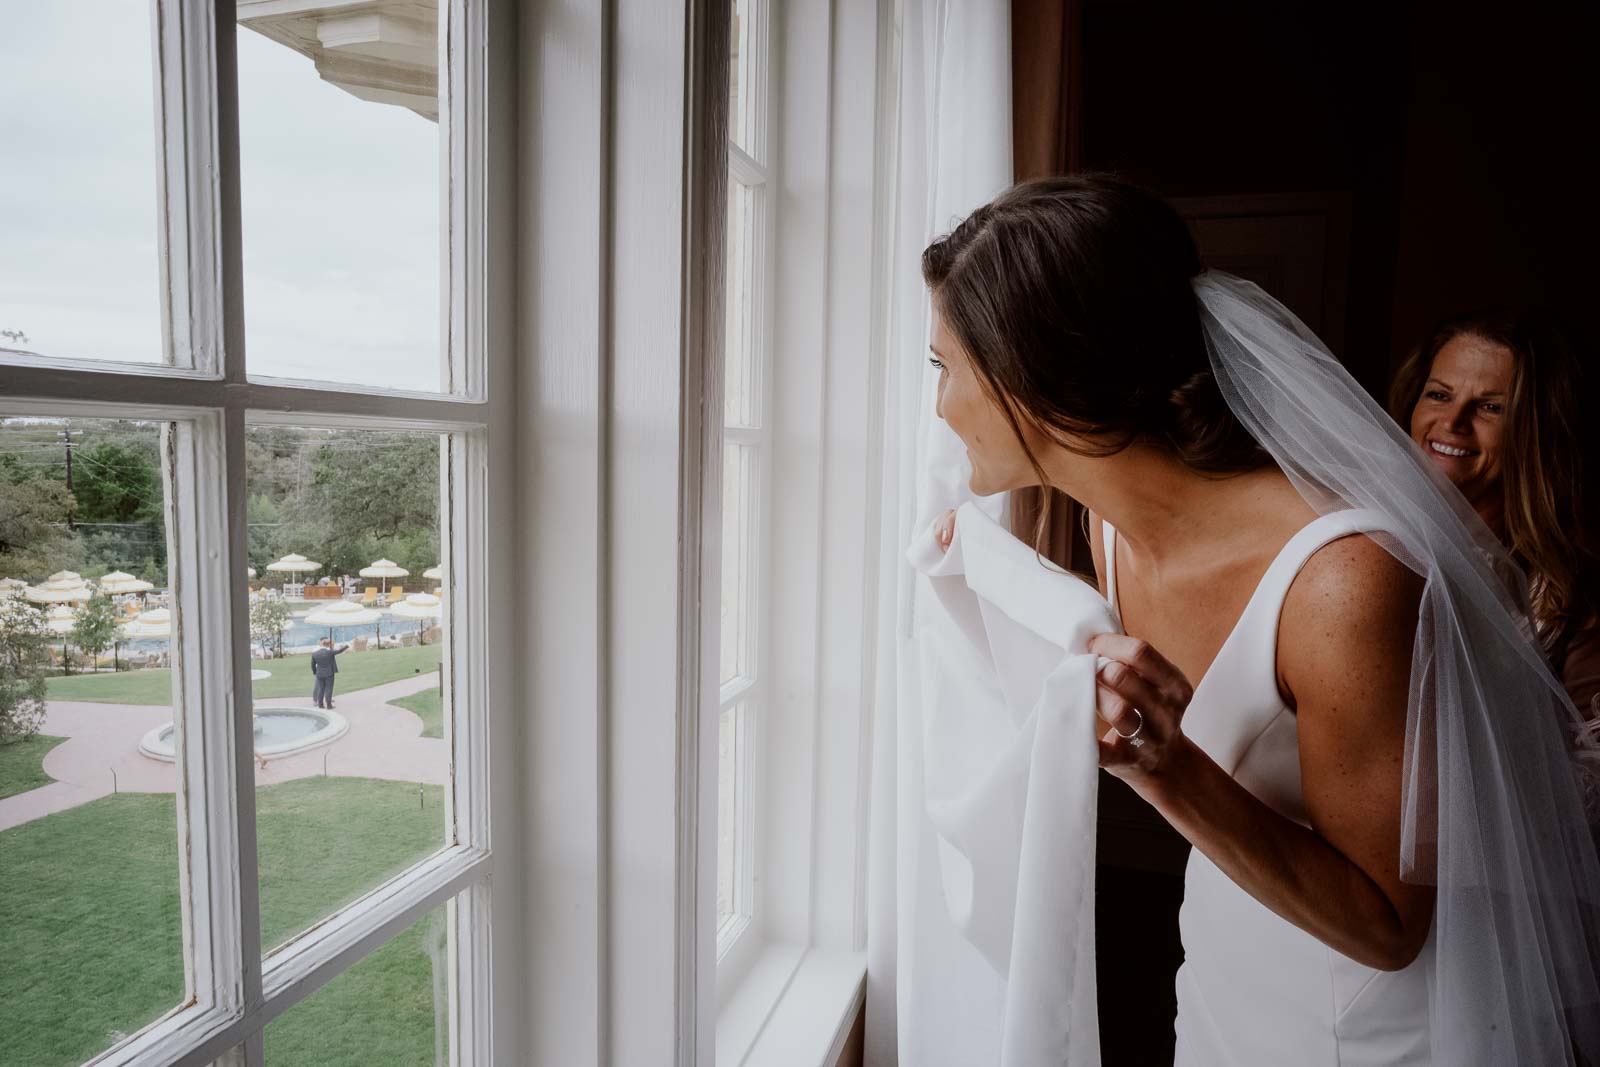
(1320, 684)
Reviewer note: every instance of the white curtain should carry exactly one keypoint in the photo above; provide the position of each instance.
(954, 154)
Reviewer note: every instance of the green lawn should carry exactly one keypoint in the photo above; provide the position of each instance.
(90, 922)
(291, 677)
(22, 764)
(429, 708)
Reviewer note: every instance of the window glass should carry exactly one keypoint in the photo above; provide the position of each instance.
(347, 631)
(741, 406)
(91, 921)
(389, 1010)
(741, 126)
(80, 269)
(340, 184)
(727, 813)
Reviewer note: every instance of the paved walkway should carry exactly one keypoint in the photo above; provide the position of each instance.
(101, 754)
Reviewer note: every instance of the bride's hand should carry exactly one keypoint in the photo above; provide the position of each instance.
(945, 529)
(1139, 681)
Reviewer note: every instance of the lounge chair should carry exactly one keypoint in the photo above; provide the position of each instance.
(370, 596)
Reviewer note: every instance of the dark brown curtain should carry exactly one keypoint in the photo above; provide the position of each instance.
(1044, 129)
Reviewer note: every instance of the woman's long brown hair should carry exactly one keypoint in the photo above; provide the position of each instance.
(1545, 456)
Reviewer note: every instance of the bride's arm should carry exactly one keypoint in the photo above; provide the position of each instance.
(1344, 657)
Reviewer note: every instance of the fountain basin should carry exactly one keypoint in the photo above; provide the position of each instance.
(279, 732)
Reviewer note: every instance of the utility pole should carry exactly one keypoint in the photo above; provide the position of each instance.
(66, 438)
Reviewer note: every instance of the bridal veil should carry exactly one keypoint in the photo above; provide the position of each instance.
(1493, 797)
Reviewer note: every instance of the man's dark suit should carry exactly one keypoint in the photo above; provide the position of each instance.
(324, 665)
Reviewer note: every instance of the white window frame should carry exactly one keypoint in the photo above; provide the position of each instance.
(206, 393)
(796, 982)
(749, 691)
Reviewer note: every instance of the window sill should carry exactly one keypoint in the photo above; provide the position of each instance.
(794, 1008)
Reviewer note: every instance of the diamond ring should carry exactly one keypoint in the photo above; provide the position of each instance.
(1138, 742)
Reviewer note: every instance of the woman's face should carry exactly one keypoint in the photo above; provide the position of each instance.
(1460, 416)
(998, 460)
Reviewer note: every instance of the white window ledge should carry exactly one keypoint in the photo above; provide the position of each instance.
(794, 1008)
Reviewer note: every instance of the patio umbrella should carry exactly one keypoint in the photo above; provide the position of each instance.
(294, 563)
(384, 569)
(12, 587)
(156, 622)
(59, 590)
(417, 606)
(345, 613)
(434, 574)
(121, 582)
(61, 619)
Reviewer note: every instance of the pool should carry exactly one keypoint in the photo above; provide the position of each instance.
(300, 635)
(279, 732)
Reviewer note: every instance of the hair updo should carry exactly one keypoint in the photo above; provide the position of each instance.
(1074, 300)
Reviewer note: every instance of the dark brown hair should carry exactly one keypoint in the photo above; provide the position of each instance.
(1073, 298)
(1550, 521)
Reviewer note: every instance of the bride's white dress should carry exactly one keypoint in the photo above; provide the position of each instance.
(1255, 990)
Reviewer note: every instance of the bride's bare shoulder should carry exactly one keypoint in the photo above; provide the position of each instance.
(1352, 603)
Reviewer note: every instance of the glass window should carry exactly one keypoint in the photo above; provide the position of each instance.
(351, 760)
(340, 165)
(80, 275)
(390, 1009)
(91, 920)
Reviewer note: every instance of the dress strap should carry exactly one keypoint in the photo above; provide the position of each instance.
(1108, 541)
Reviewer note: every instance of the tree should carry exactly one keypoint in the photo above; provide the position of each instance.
(23, 660)
(117, 483)
(33, 536)
(371, 495)
(95, 628)
(269, 618)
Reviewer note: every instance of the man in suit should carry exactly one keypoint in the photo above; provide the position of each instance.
(323, 667)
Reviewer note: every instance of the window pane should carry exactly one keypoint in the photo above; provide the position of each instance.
(81, 272)
(728, 779)
(389, 1010)
(738, 529)
(351, 756)
(743, 387)
(340, 183)
(91, 924)
(741, 61)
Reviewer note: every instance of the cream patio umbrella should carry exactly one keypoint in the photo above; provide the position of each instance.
(157, 622)
(61, 619)
(118, 582)
(294, 564)
(345, 613)
(418, 606)
(11, 587)
(434, 573)
(63, 587)
(383, 569)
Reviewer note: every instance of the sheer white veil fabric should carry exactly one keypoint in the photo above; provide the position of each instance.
(1492, 804)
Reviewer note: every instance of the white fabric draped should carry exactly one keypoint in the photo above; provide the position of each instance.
(939, 956)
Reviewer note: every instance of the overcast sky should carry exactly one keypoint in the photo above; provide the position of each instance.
(341, 204)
